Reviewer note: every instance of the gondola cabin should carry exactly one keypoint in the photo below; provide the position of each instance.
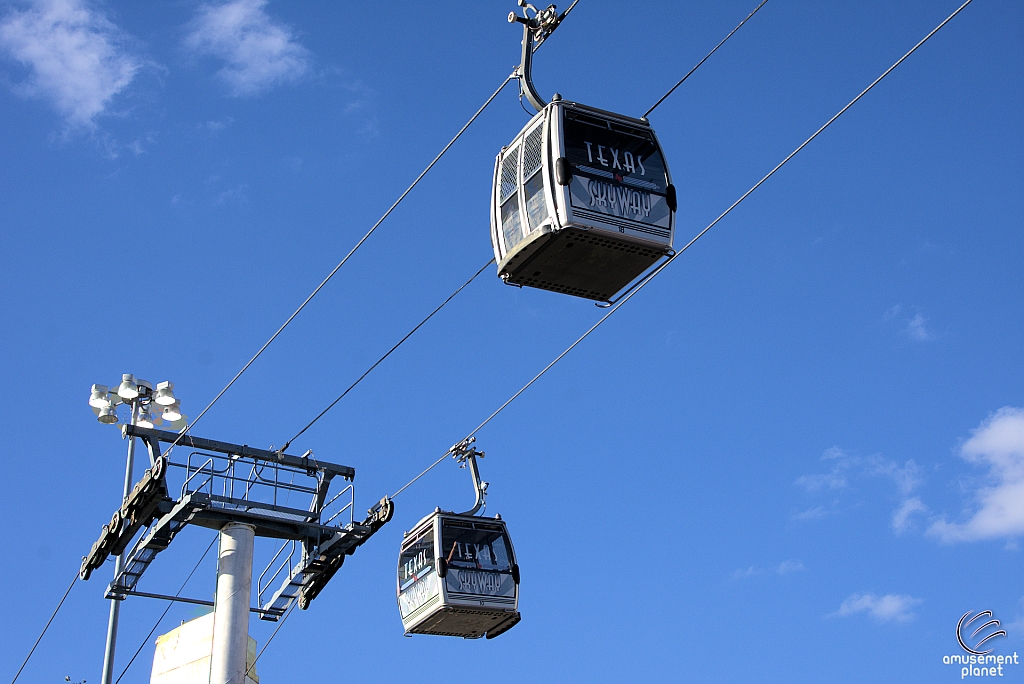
(457, 576)
(583, 202)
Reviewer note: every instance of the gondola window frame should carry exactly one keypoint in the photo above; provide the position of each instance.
(510, 211)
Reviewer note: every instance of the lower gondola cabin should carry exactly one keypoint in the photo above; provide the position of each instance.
(457, 576)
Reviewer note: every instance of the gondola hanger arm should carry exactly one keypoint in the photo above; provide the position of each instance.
(466, 455)
(536, 29)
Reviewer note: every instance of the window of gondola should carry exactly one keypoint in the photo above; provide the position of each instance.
(511, 226)
(618, 170)
(536, 206)
(614, 153)
(417, 560)
(475, 545)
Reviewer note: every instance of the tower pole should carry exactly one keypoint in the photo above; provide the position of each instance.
(231, 612)
(115, 605)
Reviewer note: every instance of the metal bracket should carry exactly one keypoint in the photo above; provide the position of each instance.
(213, 494)
(536, 30)
(151, 442)
(466, 455)
(182, 599)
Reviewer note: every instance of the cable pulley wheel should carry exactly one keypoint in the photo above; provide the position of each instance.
(157, 471)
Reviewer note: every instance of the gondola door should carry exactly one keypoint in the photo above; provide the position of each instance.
(419, 588)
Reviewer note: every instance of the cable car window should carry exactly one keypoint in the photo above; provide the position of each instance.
(532, 152)
(469, 545)
(509, 173)
(618, 170)
(536, 207)
(416, 561)
(511, 226)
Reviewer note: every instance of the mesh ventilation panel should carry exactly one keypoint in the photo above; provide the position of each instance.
(509, 173)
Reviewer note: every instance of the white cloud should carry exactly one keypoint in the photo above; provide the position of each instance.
(258, 52)
(997, 443)
(916, 326)
(902, 518)
(846, 467)
(819, 481)
(888, 608)
(906, 477)
(743, 574)
(811, 513)
(836, 479)
(77, 58)
(235, 195)
(215, 127)
(784, 568)
(789, 566)
(918, 330)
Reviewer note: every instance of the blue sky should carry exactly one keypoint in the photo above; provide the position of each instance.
(797, 455)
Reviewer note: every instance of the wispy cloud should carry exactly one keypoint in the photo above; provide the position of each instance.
(789, 567)
(236, 195)
(215, 127)
(812, 513)
(786, 567)
(819, 481)
(915, 327)
(903, 517)
(846, 467)
(892, 312)
(998, 444)
(78, 60)
(888, 608)
(258, 51)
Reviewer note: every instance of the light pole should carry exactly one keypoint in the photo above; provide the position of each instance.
(139, 397)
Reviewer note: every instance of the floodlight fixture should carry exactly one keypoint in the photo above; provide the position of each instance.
(99, 397)
(128, 389)
(145, 420)
(172, 413)
(107, 415)
(164, 393)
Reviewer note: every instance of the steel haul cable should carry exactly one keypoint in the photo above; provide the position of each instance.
(164, 614)
(653, 274)
(643, 283)
(663, 98)
(330, 275)
(272, 635)
(649, 277)
(697, 66)
(188, 427)
(386, 355)
(46, 627)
